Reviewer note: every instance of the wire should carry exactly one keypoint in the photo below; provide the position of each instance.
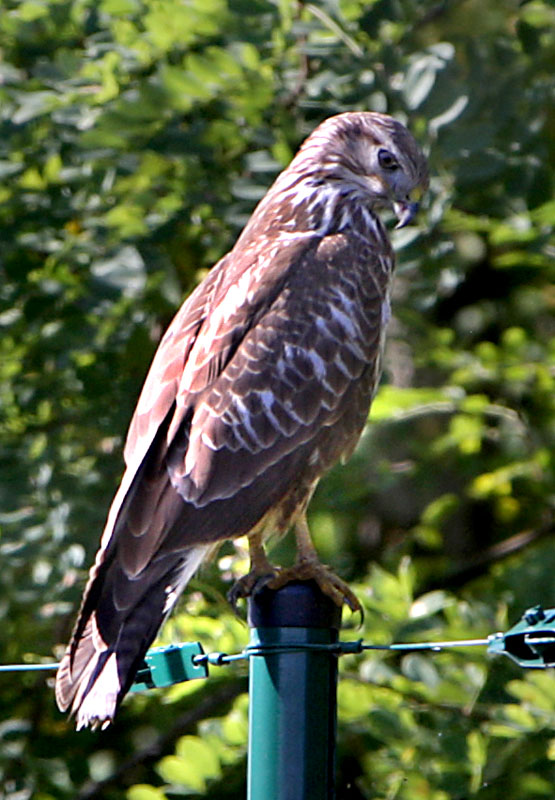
(530, 643)
(26, 667)
(217, 659)
(434, 646)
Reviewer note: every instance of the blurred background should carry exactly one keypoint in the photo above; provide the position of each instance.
(136, 136)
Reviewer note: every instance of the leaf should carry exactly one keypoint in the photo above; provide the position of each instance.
(125, 271)
(142, 791)
(477, 758)
(200, 753)
(31, 11)
(394, 402)
(178, 771)
(428, 604)
(422, 669)
(34, 104)
(421, 76)
(194, 763)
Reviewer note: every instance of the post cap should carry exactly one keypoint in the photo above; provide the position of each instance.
(299, 604)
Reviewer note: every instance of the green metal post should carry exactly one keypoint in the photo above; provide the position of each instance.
(292, 694)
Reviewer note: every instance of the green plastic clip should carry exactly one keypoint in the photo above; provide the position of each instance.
(531, 642)
(164, 666)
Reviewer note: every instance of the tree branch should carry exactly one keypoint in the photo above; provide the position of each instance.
(477, 566)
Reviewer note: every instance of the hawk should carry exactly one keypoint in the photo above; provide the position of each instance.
(262, 382)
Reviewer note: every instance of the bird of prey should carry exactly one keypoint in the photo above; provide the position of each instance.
(262, 382)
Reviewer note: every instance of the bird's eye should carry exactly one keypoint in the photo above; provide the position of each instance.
(387, 160)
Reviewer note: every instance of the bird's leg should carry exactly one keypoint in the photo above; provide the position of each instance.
(309, 567)
(261, 570)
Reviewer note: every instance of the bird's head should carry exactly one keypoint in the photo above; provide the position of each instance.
(371, 154)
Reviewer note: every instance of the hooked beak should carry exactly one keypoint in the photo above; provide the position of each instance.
(406, 209)
(405, 213)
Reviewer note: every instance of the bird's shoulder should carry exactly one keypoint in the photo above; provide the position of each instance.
(209, 326)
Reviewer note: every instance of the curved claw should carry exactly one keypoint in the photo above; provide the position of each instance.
(328, 581)
(248, 585)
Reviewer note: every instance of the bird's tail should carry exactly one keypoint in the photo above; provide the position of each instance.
(111, 637)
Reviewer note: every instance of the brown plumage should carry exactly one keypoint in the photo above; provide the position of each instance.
(262, 382)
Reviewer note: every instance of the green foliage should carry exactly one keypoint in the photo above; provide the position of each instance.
(455, 724)
(135, 138)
